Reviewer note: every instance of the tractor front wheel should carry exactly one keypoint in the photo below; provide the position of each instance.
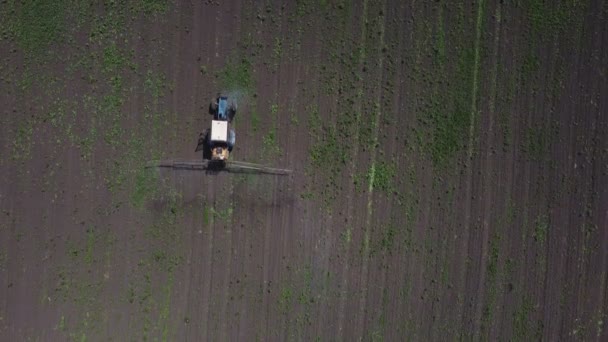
(231, 110)
(233, 106)
(213, 106)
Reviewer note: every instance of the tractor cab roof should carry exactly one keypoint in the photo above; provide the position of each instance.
(222, 108)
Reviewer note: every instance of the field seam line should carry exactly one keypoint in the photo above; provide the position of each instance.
(475, 80)
(209, 266)
(229, 237)
(487, 186)
(553, 75)
(346, 268)
(469, 172)
(373, 152)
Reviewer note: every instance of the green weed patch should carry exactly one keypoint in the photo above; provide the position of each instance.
(38, 24)
(145, 188)
(237, 75)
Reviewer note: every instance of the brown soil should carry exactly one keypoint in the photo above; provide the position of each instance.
(450, 175)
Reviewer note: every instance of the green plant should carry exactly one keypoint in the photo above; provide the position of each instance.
(346, 236)
(523, 329)
(381, 176)
(536, 143)
(388, 238)
(38, 24)
(285, 300)
(541, 226)
(146, 187)
(255, 119)
(278, 49)
(152, 7)
(223, 214)
(492, 271)
(237, 75)
(88, 256)
(113, 59)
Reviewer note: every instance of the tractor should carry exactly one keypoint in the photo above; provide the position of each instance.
(218, 141)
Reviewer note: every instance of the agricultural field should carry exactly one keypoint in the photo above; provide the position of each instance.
(450, 170)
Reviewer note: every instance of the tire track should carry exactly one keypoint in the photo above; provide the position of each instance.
(487, 185)
(469, 171)
(208, 267)
(368, 222)
(191, 287)
(228, 268)
(351, 189)
(208, 281)
(391, 266)
(229, 201)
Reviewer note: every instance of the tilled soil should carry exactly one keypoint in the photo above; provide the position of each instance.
(450, 171)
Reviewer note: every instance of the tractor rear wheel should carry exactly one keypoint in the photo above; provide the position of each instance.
(206, 145)
(213, 106)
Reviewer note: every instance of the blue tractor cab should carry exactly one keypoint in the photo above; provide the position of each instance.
(222, 109)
